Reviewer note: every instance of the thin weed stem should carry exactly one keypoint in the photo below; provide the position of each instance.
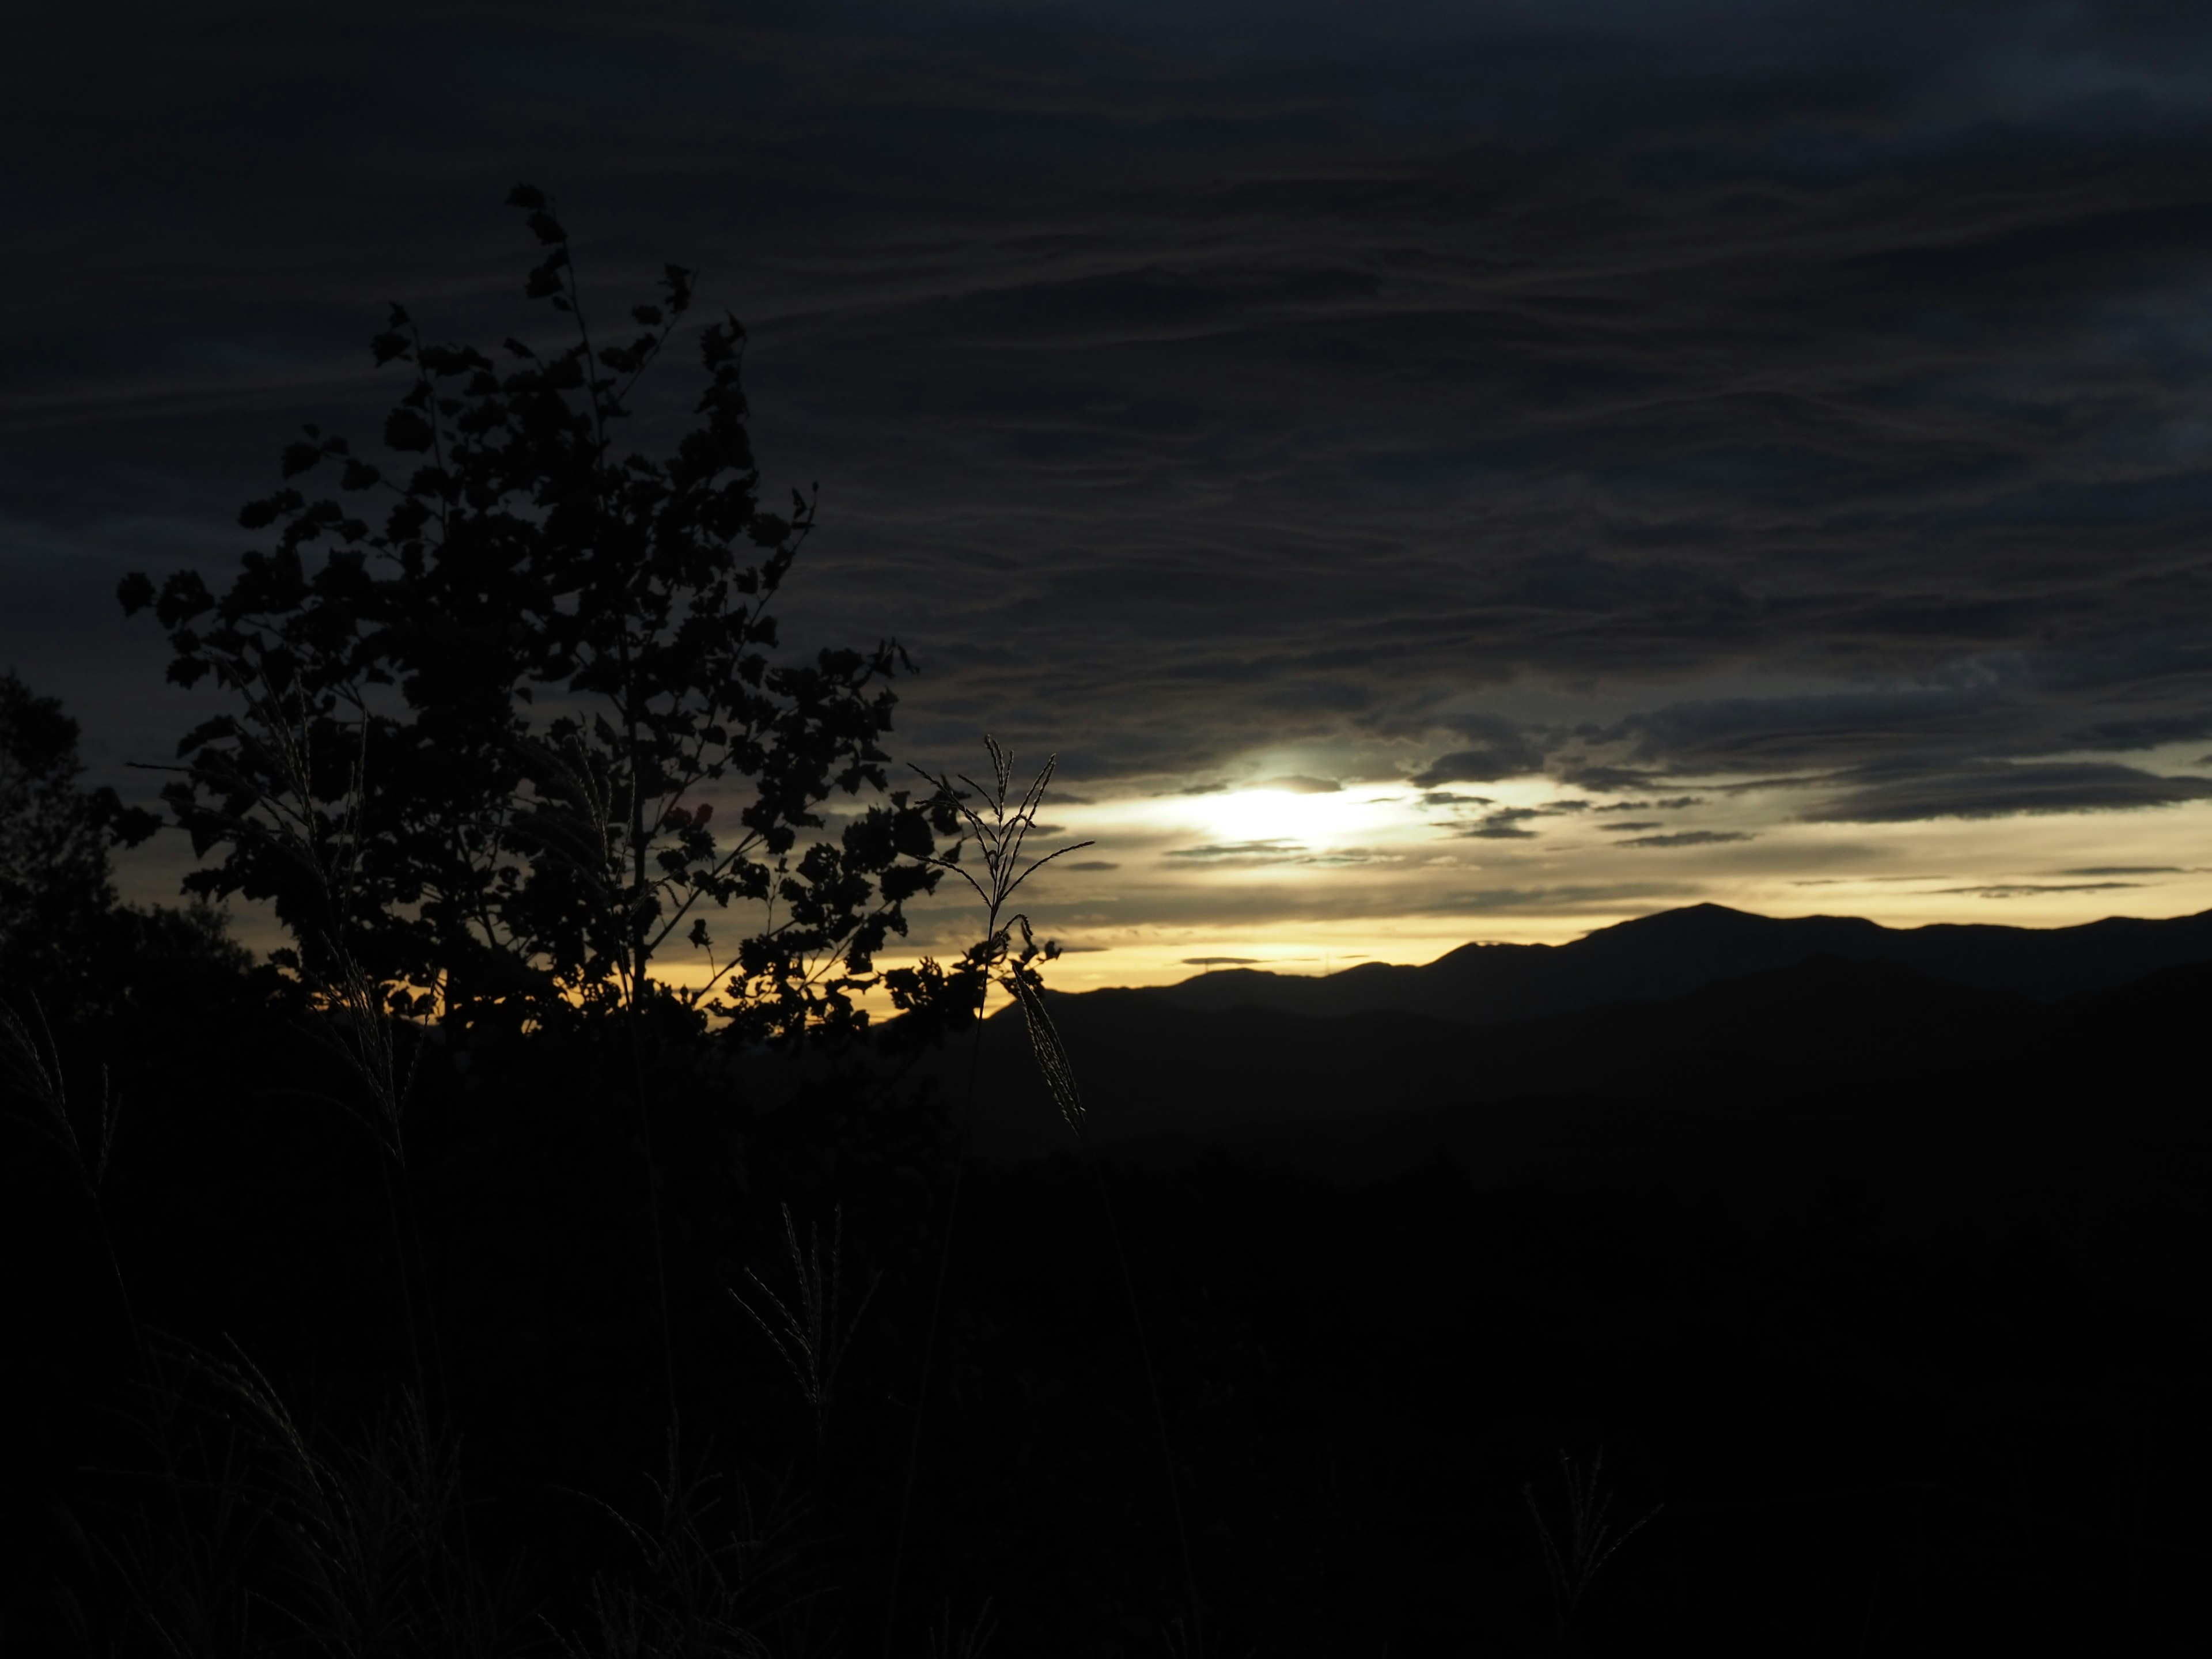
(929, 1340)
(810, 1335)
(652, 1217)
(1572, 1557)
(999, 835)
(1159, 1412)
(406, 1288)
(35, 1061)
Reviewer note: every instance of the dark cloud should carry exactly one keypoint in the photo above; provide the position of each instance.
(1605, 779)
(2030, 889)
(1632, 823)
(2015, 708)
(1862, 881)
(1088, 864)
(1503, 752)
(1298, 784)
(1252, 852)
(1688, 838)
(2126, 870)
(1265, 851)
(1505, 824)
(1996, 789)
(1186, 383)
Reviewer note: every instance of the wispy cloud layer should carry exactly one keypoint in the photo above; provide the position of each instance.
(1586, 401)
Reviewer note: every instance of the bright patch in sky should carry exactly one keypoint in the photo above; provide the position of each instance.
(1301, 878)
(1264, 825)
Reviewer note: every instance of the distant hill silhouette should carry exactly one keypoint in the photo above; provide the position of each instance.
(2037, 1078)
(1675, 952)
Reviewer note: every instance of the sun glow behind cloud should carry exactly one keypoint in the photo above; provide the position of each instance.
(1233, 478)
(1303, 873)
(1267, 825)
(1307, 878)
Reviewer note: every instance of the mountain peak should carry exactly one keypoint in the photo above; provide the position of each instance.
(1670, 952)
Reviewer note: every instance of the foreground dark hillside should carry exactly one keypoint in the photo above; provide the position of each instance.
(1389, 1268)
(1977, 1109)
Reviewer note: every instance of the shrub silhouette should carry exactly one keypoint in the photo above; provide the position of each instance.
(476, 747)
(57, 888)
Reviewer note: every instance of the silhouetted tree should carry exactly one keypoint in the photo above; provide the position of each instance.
(476, 743)
(55, 838)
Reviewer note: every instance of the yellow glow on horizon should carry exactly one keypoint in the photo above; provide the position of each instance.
(1308, 881)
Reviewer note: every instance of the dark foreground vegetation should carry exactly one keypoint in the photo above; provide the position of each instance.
(1860, 1446)
(460, 1281)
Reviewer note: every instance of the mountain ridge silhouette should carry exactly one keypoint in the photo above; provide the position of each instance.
(2080, 1109)
(1670, 952)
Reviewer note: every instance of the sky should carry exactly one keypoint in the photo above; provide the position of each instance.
(1431, 472)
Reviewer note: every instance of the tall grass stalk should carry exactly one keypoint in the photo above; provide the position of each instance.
(585, 822)
(286, 1546)
(998, 831)
(998, 839)
(929, 1336)
(700, 1575)
(653, 1219)
(182, 1585)
(1197, 1644)
(1059, 1078)
(32, 1065)
(357, 1023)
(361, 1031)
(811, 1342)
(1572, 1559)
(971, 1642)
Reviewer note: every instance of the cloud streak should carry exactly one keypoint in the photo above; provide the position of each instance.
(1491, 401)
(1997, 789)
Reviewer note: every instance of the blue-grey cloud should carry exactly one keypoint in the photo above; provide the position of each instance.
(1189, 382)
(1485, 765)
(1502, 750)
(1273, 851)
(1507, 823)
(1997, 789)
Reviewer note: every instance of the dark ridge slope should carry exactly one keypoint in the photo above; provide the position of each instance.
(1957, 1106)
(1820, 1032)
(1675, 952)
